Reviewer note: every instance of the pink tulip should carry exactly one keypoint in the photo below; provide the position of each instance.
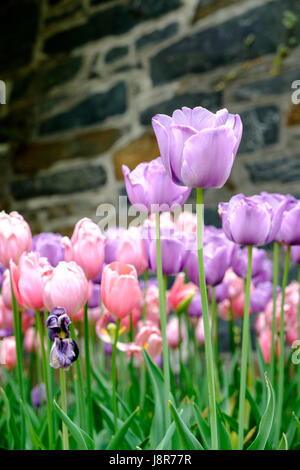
(265, 341)
(6, 290)
(8, 355)
(181, 294)
(173, 333)
(166, 221)
(66, 287)
(131, 250)
(15, 237)
(235, 284)
(28, 279)
(187, 222)
(32, 341)
(148, 338)
(152, 304)
(6, 316)
(120, 290)
(86, 247)
(136, 314)
(200, 331)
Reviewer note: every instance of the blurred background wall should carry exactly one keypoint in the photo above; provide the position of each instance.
(83, 79)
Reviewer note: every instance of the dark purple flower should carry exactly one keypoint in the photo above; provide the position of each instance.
(251, 220)
(113, 236)
(261, 296)
(49, 246)
(58, 323)
(63, 353)
(240, 262)
(198, 147)
(150, 189)
(94, 298)
(38, 395)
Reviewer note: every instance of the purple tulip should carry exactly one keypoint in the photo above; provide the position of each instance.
(251, 220)
(195, 307)
(94, 298)
(295, 254)
(198, 147)
(150, 189)
(107, 349)
(261, 296)
(289, 232)
(173, 250)
(97, 279)
(38, 395)
(2, 269)
(264, 274)
(240, 262)
(275, 200)
(49, 246)
(112, 236)
(221, 292)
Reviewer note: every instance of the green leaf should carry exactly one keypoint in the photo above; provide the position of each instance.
(166, 443)
(84, 441)
(224, 438)
(254, 408)
(34, 437)
(10, 436)
(203, 427)
(131, 439)
(283, 445)
(158, 422)
(117, 439)
(187, 438)
(266, 422)
(262, 368)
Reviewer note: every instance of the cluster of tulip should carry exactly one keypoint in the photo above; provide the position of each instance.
(119, 306)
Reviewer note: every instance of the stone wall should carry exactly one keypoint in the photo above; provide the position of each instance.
(84, 78)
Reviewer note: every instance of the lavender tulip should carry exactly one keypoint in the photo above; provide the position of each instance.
(49, 246)
(251, 220)
(264, 274)
(261, 296)
(38, 395)
(112, 236)
(150, 189)
(94, 298)
(2, 269)
(198, 147)
(295, 254)
(195, 307)
(289, 232)
(240, 262)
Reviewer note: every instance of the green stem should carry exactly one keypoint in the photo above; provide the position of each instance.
(275, 283)
(88, 370)
(207, 333)
(214, 322)
(245, 353)
(281, 353)
(163, 323)
(18, 338)
(64, 408)
(114, 375)
(78, 377)
(46, 379)
(146, 278)
(231, 331)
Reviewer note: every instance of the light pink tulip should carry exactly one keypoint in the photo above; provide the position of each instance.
(200, 331)
(148, 338)
(86, 247)
(6, 290)
(32, 341)
(66, 287)
(28, 279)
(235, 284)
(8, 355)
(136, 315)
(180, 293)
(265, 341)
(120, 290)
(152, 304)
(15, 237)
(131, 250)
(6, 316)
(187, 222)
(173, 333)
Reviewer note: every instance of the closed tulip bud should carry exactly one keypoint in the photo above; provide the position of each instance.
(86, 247)
(265, 342)
(28, 279)
(120, 290)
(173, 337)
(198, 147)
(8, 355)
(67, 287)
(15, 237)
(181, 294)
(131, 250)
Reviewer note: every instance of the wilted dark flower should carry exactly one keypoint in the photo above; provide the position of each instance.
(63, 353)
(58, 323)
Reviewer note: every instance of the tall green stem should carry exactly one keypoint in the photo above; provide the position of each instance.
(214, 323)
(281, 353)
(207, 333)
(275, 283)
(46, 379)
(163, 323)
(18, 337)
(78, 377)
(114, 375)
(88, 370)
(245, 353)
(64, 408)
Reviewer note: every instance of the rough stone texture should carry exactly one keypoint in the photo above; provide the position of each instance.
(93, 109)
(65, 182)
(284, 170)
(157, 35)
(39, 156)
(17, 36)
(261, 128)
(293, 115)
(116, 53)
(143, 149)
(112, 21)
(211, 101)
(225, 43)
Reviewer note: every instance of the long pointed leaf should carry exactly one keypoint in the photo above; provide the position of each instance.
(187, 438)
(117, 439)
